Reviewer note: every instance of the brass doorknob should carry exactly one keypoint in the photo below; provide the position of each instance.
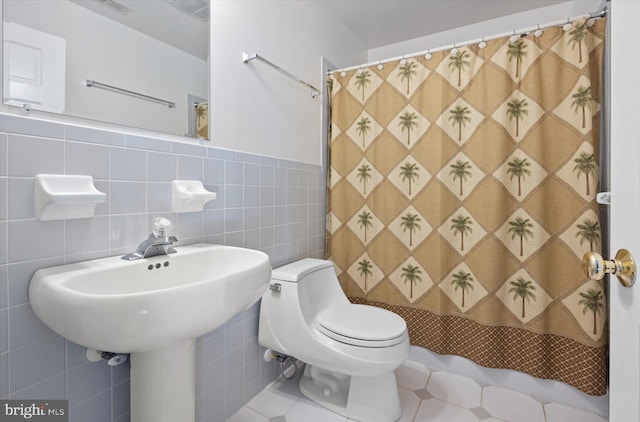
(622, 266)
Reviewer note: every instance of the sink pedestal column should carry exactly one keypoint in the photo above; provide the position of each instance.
(163, 384)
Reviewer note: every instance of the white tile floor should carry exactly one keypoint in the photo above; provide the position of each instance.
(426, 395)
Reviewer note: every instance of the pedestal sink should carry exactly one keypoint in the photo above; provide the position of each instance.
(153, 308)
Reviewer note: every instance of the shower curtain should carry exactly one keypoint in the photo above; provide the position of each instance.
(462, 197)
(202, 121)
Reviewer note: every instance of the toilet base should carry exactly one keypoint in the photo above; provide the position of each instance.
(367, 399)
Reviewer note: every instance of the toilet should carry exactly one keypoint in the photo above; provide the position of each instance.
(350, 351)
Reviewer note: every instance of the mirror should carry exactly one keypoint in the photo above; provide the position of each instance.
(139, 63)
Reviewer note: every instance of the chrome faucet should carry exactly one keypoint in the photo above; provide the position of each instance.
(158, 242)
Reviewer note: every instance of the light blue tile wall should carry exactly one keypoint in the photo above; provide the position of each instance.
(264, 203)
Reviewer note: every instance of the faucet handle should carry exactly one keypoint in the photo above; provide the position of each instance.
(161, 226)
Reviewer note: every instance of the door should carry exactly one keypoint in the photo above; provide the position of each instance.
(33, 68)
(624, 303)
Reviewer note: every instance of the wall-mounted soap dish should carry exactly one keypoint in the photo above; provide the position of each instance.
(189, 196)
(60, 197)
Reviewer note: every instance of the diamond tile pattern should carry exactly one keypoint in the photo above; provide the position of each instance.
(455, 398)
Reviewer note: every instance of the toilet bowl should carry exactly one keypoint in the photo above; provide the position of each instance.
(350, 351)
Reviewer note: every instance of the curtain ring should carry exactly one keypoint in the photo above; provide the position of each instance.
(403, 61)
(538, 32)
(482, 43)
(428, 55)
(380, 66)
(567, 26)
(514, 37)
(454, 50)
(359, 71)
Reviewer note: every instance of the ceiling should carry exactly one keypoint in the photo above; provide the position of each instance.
(383, 22)
(374, 22)
(180, 23)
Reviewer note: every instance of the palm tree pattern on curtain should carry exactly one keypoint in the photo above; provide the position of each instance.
(470, 212)
(410, 223)
(411, 275)
(364, 267)
(585, 164)
(408, 121)
(409, 173)
(582, 101)
(364, 127)
(461, 171)
(362, 80)
(522, 289)
(202, 121)
(589, 231)
(517, 51)
(458, 63)
(518, 169)
(592, 301)
(464, 282)
(517, 111)
(462, 226)
(407, 71)
(364, 175)
(459, 117)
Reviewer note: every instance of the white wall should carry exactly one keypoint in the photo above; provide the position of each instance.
(487, 28)
(103, 50)
(256, 109)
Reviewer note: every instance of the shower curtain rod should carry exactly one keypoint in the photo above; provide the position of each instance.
(520, 32)
(248, 57)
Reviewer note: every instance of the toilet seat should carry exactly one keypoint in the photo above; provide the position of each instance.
(362, 325)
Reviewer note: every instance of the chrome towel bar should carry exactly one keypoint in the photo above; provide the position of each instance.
(90, 83)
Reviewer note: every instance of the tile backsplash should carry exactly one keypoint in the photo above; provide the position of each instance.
(273, 205)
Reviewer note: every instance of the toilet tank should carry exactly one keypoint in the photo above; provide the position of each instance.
(297, 293)
(316, 283)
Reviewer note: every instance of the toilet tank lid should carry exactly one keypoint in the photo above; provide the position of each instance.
(297, 270)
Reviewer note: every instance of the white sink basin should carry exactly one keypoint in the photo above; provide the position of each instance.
(153, 308)
(122, 306)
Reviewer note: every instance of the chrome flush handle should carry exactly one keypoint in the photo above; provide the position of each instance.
(275, 287)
